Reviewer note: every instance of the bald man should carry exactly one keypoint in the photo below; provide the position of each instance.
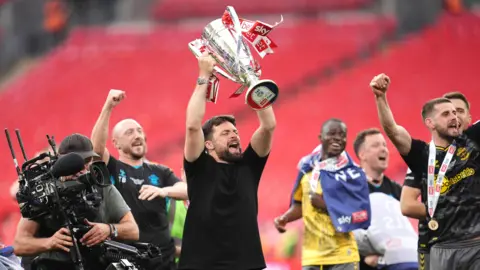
(144, 185)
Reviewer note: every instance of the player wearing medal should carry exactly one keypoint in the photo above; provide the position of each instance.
(415, 187)
(449, 165)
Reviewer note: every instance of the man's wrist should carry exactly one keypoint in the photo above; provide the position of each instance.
(107, 108)
(202, 80)
(113, 231)
(381, 96)
(166, 190)
(205, 75)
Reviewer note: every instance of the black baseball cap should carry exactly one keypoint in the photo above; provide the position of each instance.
(77, 143)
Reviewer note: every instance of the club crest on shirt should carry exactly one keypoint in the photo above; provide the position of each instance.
(153, 179)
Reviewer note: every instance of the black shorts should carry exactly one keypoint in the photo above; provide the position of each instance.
(423, 260)
(462, 255)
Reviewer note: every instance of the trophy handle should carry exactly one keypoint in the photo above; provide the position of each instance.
(238, 33)
(262, 94)
(195, 49)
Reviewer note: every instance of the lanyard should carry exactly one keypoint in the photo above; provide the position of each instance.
(435, 187)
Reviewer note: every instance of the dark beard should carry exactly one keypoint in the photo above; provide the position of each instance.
(136, 157)
(229, 157)
(445, 136)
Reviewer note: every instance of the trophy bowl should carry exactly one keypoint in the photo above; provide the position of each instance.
(225, 40)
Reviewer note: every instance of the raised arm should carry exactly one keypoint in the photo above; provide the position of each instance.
(194, 140)
(397, 134)
(100, 130)
(262, 138)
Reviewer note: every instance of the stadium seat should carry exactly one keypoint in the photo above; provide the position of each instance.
(172, 10)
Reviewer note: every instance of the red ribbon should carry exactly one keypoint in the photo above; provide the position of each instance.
(254, 32)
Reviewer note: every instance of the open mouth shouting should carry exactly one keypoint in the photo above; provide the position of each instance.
(138, 145)
(454, 125)
(382, 157)
(234, 147)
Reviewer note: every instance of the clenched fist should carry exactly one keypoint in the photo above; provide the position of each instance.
(206, 63)
(379, 84)
(115, 97)
(280, 224)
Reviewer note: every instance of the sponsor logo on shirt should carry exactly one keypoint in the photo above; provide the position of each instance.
(360, 216)
(137, 181)
(344, 220)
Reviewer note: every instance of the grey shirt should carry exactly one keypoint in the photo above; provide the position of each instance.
(113, 207)
(111, 210)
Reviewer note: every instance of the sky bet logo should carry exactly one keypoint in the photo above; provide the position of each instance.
(262, 30)
(344, 220)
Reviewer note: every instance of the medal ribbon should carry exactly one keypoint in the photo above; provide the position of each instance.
(434, 187)
(255, 33)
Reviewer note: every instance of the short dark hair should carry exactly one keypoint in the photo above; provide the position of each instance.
(331, 120)
(208, 126)
(458, 95)
(360, 139)
(430, 105)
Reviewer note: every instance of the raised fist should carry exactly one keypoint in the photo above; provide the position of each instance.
(379, 84)
(114, 97)
(206, 63)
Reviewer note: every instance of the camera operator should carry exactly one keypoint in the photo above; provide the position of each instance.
(112, 219)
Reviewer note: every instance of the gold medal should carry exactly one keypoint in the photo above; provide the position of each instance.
(433, 225)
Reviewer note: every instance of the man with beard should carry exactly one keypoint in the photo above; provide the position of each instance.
(327, 245)
(143, 185)
(414, 187)
(448, 168)
(221, 229)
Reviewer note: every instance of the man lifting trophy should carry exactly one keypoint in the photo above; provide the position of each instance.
(224, 39)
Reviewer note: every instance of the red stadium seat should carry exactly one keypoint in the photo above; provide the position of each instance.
(174, 9)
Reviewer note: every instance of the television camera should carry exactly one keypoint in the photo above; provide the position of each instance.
(45, 195)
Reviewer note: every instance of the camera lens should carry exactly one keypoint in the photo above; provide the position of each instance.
(99, 173)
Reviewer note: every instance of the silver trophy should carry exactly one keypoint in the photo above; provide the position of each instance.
(225, 39)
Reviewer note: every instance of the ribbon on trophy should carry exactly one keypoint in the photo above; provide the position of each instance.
(255, 33)
(213, 81)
